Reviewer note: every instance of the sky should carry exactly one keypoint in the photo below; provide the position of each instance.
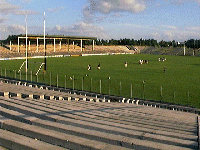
(105, 19)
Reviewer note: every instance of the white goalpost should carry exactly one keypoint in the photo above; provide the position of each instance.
(39, 68)
(21, 67)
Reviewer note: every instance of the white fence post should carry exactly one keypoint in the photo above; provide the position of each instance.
(73, 82)
(131, 91)
(100, 87)
(65, 81)
(82, 83)
(57, 80)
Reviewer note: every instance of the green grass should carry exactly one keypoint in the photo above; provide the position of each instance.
(179, 84)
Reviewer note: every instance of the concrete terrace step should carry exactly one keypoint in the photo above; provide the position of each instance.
(17, 142)
(115, 139)
(3, 148)
(56, 138)
(95, 114)
(105, 128)
(119, 125)
(37, 104)
(26, 91)
(97, 122)
(6, 114)
(26, 110)
(115, 131)
(135, 134)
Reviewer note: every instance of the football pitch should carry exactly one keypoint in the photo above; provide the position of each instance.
(175, 80)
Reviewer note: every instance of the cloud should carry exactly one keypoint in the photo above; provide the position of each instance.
(175, 33)
(193, 29)
(158, 32)
(80, 29)
(2, 19)
(15, 29)
(26, 1)
(25, 12)
(110, 6)
(11, 30)
(182, 2)
(6, 8)
(169, 27)
(54, 10)
(105, 7)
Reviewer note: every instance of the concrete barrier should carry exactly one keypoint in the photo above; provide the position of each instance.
(31, 96)
(137, 102)
(96, 100)
(51, 97)
(76, 99)
(42, 97)
(103, 100)
(68, 98)
(84, 98)
(6, 94)
(147, 102)
(19, 95)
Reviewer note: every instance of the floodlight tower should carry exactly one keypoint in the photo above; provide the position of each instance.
(45, 67)
(184, 49)
(26, 49)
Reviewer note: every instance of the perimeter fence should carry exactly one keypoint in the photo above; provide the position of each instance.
(109, 86)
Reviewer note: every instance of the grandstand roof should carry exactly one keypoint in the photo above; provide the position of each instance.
(34, 36)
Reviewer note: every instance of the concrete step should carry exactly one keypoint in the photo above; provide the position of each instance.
(24, 110)
(140, 127)
(133, 112)
(15, 141)
(108, 122)
(94, 114)
(64, 118)
(56, 138)
(3, 148)
(131, 122)
(155, 124)
(134, 133)
(114, 139)
(6, 114)
(41, 91)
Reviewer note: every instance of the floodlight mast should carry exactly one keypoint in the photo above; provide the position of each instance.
(184, 49)
(26, 49)
(44, 46)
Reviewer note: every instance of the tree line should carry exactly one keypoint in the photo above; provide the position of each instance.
(191, 43)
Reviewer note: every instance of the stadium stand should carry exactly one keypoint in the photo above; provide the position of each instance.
(5, 52)
(40, 117)
(65, 50)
